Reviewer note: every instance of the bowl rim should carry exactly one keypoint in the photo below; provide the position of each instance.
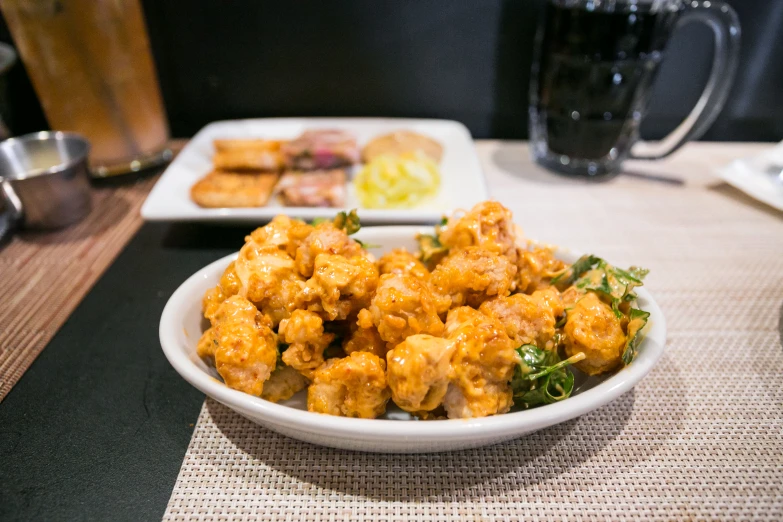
(521, 422)
(54, 136)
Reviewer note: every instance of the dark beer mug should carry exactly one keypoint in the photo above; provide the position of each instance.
(595, 63)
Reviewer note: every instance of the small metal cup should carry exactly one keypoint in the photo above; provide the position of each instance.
(45, 179)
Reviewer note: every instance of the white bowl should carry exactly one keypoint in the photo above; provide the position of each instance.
(182, 323)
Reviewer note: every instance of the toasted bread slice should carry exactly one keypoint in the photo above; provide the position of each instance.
(258, 144)
(220, 189)
(233, 155)
(400, 142)
(315, 188)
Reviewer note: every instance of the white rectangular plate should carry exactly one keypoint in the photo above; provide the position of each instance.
(462, 181)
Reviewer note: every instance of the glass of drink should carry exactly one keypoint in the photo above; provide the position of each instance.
(91, 66)
(595, 63)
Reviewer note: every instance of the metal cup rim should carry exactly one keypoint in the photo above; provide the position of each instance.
(43, 136)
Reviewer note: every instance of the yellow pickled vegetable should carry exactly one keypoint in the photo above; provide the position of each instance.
(397, 181)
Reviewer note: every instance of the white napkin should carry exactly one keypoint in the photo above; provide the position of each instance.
(759, 176)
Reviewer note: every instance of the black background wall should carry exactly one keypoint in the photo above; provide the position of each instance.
(463, 60)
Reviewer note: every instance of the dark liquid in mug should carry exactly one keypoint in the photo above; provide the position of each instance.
(595, 69)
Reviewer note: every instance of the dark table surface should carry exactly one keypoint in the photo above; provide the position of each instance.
(98, 426)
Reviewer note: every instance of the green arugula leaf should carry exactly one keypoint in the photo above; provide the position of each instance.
(366, 245)
(614, 284)
(348, 221)
(542, 378)
(637, 322)
(534, 359)
(567, 277)
(552, 388)
(596, 280)
(638, 272)
(557, 366)
(431, 249)
(601, 280)
(626, 275)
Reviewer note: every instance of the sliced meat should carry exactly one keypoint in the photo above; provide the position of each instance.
(321, 149)
(317, 188)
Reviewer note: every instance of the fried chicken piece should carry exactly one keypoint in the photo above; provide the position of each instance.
(550, 298)
(339, 286)
(206, 346)
(402, 306)
(483, 364)
(211, 301)
(269, 279)
(472, 275)
(528, 319)
(354, 386)
(304, 333)
(246, 351)
(571, 295)
(280, 300)
(259, 265)
(488, 225)
(419, 370)
(536, 268)
(229, 285)
(283, 232)
(283, 384)
(400, 261)
(364, 340)
(592, 328)
(325, 239)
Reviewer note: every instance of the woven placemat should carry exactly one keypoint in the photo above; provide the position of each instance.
(43, 276)
(700, 438)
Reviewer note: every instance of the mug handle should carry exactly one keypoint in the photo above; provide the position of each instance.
(723, 21)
